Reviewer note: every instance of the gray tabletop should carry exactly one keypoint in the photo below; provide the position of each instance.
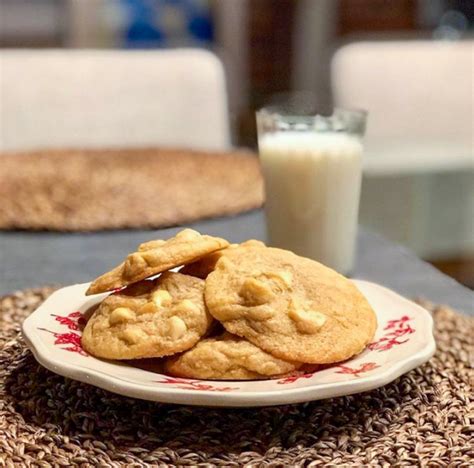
(34, 259)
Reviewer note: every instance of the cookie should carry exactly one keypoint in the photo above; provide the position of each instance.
(156, 256)
(149, 319)
(293, 308)
(204, 266)
(227, 357)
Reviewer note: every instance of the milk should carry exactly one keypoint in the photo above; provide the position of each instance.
(312, 184)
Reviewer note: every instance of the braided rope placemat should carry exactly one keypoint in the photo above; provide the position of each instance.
(92, 190)
(420, 419)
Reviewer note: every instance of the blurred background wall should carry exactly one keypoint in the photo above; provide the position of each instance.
(267, 47)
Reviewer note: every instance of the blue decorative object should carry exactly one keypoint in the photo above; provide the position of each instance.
(167, 23)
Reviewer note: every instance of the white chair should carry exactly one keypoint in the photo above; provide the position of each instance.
(418, 171)
(96, 98)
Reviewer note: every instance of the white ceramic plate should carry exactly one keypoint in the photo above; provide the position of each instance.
(403, 341)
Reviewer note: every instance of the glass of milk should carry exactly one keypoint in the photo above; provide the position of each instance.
(312, 166)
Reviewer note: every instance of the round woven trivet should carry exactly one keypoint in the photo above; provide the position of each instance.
(89, 190)
(420, 419)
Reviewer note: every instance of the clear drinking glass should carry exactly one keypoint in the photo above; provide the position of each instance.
(312, 166)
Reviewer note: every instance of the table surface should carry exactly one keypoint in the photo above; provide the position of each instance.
(29, 259)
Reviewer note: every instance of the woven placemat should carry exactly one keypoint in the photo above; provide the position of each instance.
(420, 419)
(89, 190)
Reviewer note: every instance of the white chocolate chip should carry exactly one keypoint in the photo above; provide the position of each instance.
(134, 262)
(224, 263)
(121, 314)
(153, 244)
(151, 257)
(284, 276)
(307, 321)
(132, 335)
(161, 298)
(187, 234)
(287, 277)
(255, 292)
(147, 308)
(187, 306)
(177, 328)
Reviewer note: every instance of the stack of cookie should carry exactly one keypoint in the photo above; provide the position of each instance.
(233, 312)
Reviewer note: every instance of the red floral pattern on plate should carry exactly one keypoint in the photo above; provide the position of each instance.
(294, 378)
(71, 320)
(187, 384)
(71, 339)
(356, 371)
(395, 330)
(343, 369)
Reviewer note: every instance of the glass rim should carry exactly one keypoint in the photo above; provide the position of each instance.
(276, 110)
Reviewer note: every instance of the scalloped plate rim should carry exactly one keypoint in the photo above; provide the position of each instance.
(175, 395)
